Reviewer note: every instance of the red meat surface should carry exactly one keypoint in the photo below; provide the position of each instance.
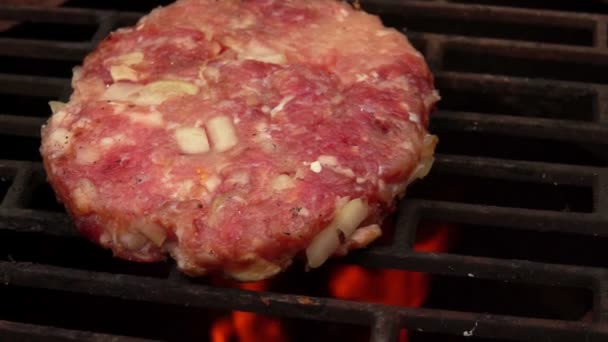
(231, 134)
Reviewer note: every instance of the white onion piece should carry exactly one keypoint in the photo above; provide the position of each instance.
(132, 240)
(153, 232)
(56, 106)
(238, 178)
(212, 183)
(222, 133)
(130, 58)
(424, 168)
(191, 140)
(121, 91)
(158, 92)
(363, 236)
(258, 269)
(428, 145)
(346, 220)
(427, 154)
(123, 73)
(77, 74)
(282, 182)
(258, 52)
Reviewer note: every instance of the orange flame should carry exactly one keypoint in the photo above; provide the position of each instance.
(246, 326)
(390, 286)
(351, 282)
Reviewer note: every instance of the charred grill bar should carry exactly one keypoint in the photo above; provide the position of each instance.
(507, 74)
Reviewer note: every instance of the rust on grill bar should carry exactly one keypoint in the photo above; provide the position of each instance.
(524, 114)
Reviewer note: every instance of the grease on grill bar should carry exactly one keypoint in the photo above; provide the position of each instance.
(517, 200)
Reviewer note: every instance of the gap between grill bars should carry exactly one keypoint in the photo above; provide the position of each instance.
(535, 76)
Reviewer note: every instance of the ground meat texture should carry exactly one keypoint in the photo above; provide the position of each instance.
(237, 135)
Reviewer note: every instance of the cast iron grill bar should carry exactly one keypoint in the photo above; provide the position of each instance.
(12, 331)
(538, 172)
(180, 292)
(601, 195)
(52, 49)
(470, 81)
(443, 8)
(563, 130)
(32, 85)
(469, 266)
(21, 125)
(128, 18)
(57, 15)
(11, 164)
(532, 52)
(483, 325)
(511, 83)
(382, 319)
(107, 21)
(385, 327)
(515, 218)
(601, 34)
(17, 192)
(600, 301)
(518, 48)
(602, 106)
(382, 7)
(406, 226)
(36, 221)
(332, 310)
(433, 54)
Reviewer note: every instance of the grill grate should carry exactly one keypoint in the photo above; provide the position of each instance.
(506, 73)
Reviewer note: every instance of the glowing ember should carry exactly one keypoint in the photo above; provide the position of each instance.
(435, 237)
(390, 287)
(350, 282)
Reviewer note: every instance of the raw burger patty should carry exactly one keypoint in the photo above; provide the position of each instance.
(236, 135)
